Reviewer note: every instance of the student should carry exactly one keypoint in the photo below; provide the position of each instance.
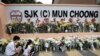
(11, 49)
(46, 45)
(36, 44)
(27, 48)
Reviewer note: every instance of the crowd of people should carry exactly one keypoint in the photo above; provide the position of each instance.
(28, 47)
(54, 26)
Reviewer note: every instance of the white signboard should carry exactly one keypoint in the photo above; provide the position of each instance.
(23, 12)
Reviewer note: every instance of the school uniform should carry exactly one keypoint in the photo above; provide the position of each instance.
(27, 51)
(46, 46)
(10, 49)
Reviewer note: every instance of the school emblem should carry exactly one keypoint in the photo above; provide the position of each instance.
(16, 16)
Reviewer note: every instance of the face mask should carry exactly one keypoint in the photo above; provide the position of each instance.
(17, 41)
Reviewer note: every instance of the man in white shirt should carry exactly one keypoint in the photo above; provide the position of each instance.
(11, 49)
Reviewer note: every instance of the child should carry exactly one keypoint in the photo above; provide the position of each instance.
(27, 48)
(46, 45)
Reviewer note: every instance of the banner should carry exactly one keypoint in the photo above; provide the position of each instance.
(23, 12)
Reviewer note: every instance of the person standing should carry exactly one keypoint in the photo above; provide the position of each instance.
(29, 26)
(46, 45)
(86, 25)
(70, 27)
(37, 25)
(36, 44)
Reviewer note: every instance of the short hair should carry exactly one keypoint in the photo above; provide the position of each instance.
(16, 38)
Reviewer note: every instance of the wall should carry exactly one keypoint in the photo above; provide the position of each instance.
(0, 29)
(3, 21)
(57, 35)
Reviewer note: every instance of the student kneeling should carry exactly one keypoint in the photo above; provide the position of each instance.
(11, 49)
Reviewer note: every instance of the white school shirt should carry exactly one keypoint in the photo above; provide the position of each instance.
(10, 49)
(46, 44)
(26, 51)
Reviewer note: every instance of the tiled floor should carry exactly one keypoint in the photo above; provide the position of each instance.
(68, 53)
(72, 53)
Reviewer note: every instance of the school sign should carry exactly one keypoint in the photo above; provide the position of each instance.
(22, 12)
